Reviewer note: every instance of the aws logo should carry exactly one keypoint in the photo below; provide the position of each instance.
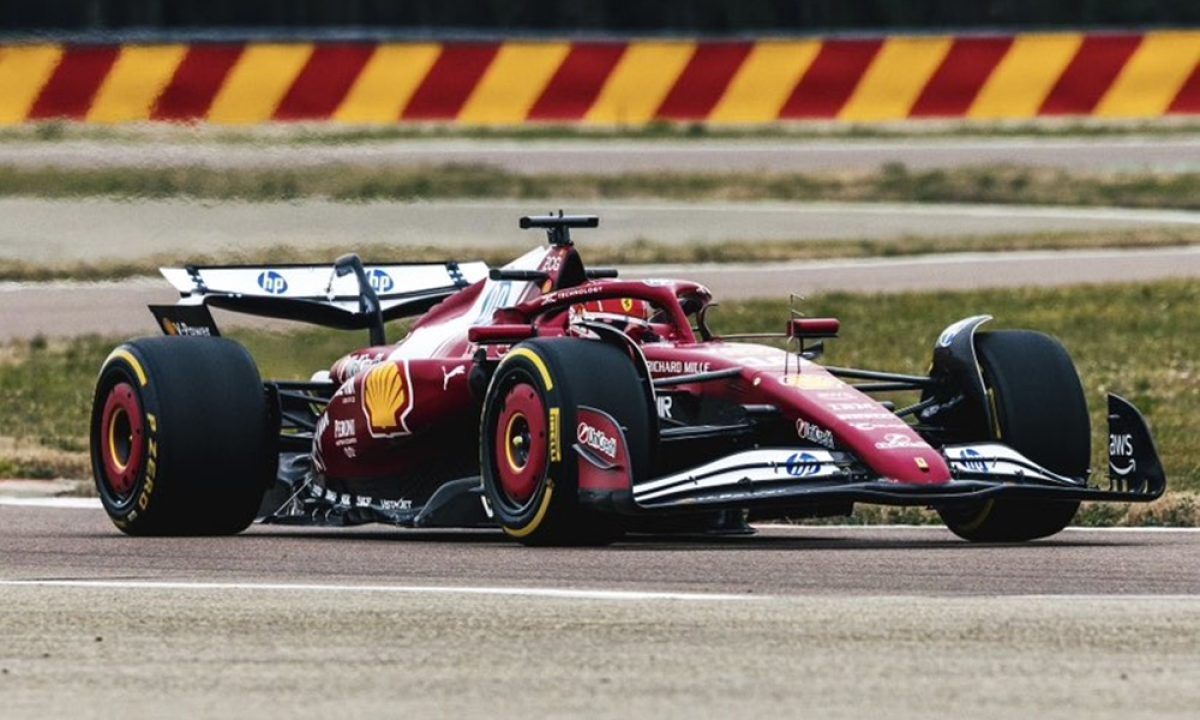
(272, 282)
(387, 399)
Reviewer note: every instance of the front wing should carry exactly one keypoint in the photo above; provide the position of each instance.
(800, 476)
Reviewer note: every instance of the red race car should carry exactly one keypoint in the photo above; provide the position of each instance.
(567, 406)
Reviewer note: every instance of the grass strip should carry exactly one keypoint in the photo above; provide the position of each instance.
(322, 133)
(638, 252)
(895, 182)
(1137, 340)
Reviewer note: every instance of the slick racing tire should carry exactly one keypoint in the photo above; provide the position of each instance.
(181, 441)
(530, 472)
(1041, 412)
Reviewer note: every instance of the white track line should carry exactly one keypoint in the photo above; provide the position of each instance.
(59, 503)
(942, 528)
(556, 593)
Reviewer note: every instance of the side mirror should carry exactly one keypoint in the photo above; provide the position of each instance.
(813, 328)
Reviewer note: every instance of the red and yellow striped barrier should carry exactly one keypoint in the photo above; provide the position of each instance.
(1139, 75)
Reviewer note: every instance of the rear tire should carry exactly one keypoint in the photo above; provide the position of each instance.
(1040, 411)
(530, 473)
(181, 441)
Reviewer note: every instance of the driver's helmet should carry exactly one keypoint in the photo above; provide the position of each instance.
(614, 311)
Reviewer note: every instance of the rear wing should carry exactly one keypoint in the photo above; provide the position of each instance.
(347, 295)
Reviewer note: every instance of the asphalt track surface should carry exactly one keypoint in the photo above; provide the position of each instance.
(66, 309)
(63, 231)
(824, 622)
(614, 155)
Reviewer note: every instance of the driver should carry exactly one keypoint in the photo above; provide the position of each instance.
(618, 312)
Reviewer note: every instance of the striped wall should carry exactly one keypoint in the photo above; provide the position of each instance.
(1137, 75)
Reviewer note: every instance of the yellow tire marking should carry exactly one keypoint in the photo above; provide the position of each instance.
(512, 83)
(257, 83)
(537, 518)
(764, 82)
(112, 441)
(137, 78)
(387, 82)
(24, 70)
(123, 354)
(508, 438)
(537, 361)
(1024, 77)
(636, 87)
(1152, 76)
(895, 78)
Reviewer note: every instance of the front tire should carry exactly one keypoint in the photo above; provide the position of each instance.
(530, 473)
(1040, 411)
(181, 442)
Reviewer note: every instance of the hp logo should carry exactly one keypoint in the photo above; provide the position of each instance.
(802, 464)
(380, 281)
(272, 282)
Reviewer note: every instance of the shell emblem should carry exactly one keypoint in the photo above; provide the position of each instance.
(385, 395)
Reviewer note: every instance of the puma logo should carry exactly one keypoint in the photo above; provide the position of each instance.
(458, 370)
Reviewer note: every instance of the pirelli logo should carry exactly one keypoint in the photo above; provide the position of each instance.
(555, 435)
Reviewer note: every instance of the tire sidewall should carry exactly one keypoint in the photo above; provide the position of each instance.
(559, 478)
(126, 365)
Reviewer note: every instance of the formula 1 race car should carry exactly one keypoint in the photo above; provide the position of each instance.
(567, 406)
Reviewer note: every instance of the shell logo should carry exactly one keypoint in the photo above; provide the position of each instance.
(386, 399)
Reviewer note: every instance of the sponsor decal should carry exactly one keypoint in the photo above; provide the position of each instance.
(447, 376)
(555, 435)
(399, 504)
(182, 329)
(572, 293)
(343, 429)
(380, 281)
(814, 433)
(272, 282)
(597, 440)
(677, 367)
(354, 364)
(803, 464)
(362, 501)
(387, 399)
(1121, 446)
(970, 459)
(850, 407)
(829, 395)
(806, 381)
(143, 501)
(665, 402)
(627, 304)
(897, 441)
